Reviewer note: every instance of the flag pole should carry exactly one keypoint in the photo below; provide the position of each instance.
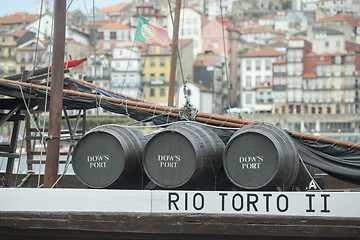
(174, 54)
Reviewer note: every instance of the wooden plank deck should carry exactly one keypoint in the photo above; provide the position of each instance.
(75, 225)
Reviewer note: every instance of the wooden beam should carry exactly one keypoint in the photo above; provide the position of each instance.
(71, 225)
(57, 83)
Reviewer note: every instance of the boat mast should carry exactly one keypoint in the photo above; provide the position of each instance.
(56, 99)
(174, 53)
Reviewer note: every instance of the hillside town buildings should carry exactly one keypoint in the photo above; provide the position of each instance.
(256, 56)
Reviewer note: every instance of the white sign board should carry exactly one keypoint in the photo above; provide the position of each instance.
(327, 204)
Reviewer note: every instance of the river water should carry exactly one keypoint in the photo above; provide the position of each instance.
(22, 168)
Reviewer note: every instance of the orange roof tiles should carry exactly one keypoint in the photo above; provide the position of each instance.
(279, 61)
(17, 34)
(338, 54)
(268, 17)
(260, 30)
(279, 37)
(311, 54)
(18, 17)
(296, 38)
(308, 75)
(116, 8)
(265, 84)
(350, 18)
(114, 25)
(206, 62)
(325, 54)
(266, 51)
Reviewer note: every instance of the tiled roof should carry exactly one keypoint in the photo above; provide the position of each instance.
(18, 17)
(280, 61)
(266, 51)
(309, 75)
(328, 31)
(350, 18)
(265, 84)
(116, 8)
(325, 54)
(338, 54)
(296, 38)
(268, 17)
(205, 62)
(114, 25)
(260, 30)
(311, 54)
(19, 33)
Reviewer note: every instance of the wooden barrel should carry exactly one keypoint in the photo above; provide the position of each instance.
(261, 157)
(184, 155)
(109, 156)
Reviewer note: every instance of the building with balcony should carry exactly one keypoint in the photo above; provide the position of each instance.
(279, 86)
(111, 34)
(331, 83)
(156, 73)
(126, 69)
(297, 48)
(256, 68)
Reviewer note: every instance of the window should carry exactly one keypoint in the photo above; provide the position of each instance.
(151, 49)
(257, 65)
(276, 68)
(248, 82)
(257, 80)
(100, 35)
(248, 65)
(328, 110)
(291, 108)
(326, 44)
(152, 62)
(268, 65)
(162, 77)
(337, 83)
(162, 62)
(162, 92)
(337, 69)
(152, 77)
(152, 92)
(113, 35)
(338, 43)
(248, 99)
(215, 44)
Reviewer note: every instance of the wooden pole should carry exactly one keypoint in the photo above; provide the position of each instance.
(174, 53)
(56, 99)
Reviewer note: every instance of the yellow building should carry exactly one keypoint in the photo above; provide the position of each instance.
(156, 72)
(8, 45)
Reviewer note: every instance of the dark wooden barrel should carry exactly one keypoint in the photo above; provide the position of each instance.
(261, 157)
(184, 155)
(109, 156)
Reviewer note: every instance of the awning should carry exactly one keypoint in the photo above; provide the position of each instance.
(265, 107)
